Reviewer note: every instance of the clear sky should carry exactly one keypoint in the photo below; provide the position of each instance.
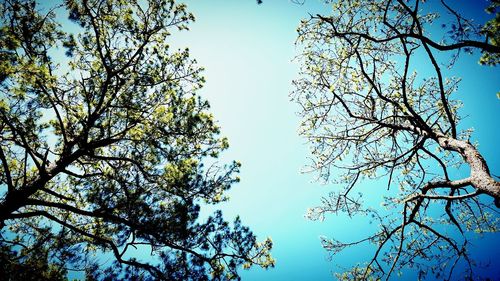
(247, 50)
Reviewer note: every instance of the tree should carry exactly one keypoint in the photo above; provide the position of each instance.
(108, 150)
(367, 112)
(33, 267)
(491, 30)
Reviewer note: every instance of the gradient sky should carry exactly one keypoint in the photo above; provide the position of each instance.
(247, 50)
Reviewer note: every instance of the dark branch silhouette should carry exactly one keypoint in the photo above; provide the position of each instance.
(368, 111)
(110, 149)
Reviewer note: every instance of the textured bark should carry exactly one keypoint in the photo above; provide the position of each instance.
(480, 177)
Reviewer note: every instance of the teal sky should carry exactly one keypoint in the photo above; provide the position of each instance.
(247, 50)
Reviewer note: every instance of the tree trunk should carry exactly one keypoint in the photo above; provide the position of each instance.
(480, 176)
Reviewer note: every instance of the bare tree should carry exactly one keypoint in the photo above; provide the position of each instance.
(367, 111)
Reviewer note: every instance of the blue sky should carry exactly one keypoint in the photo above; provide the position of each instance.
(247, 50)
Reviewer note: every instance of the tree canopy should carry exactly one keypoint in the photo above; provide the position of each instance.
(377, 103)
(110, 150)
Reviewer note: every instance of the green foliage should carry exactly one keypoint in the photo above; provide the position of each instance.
(491, 30)
(109, 148)
(35, 267)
